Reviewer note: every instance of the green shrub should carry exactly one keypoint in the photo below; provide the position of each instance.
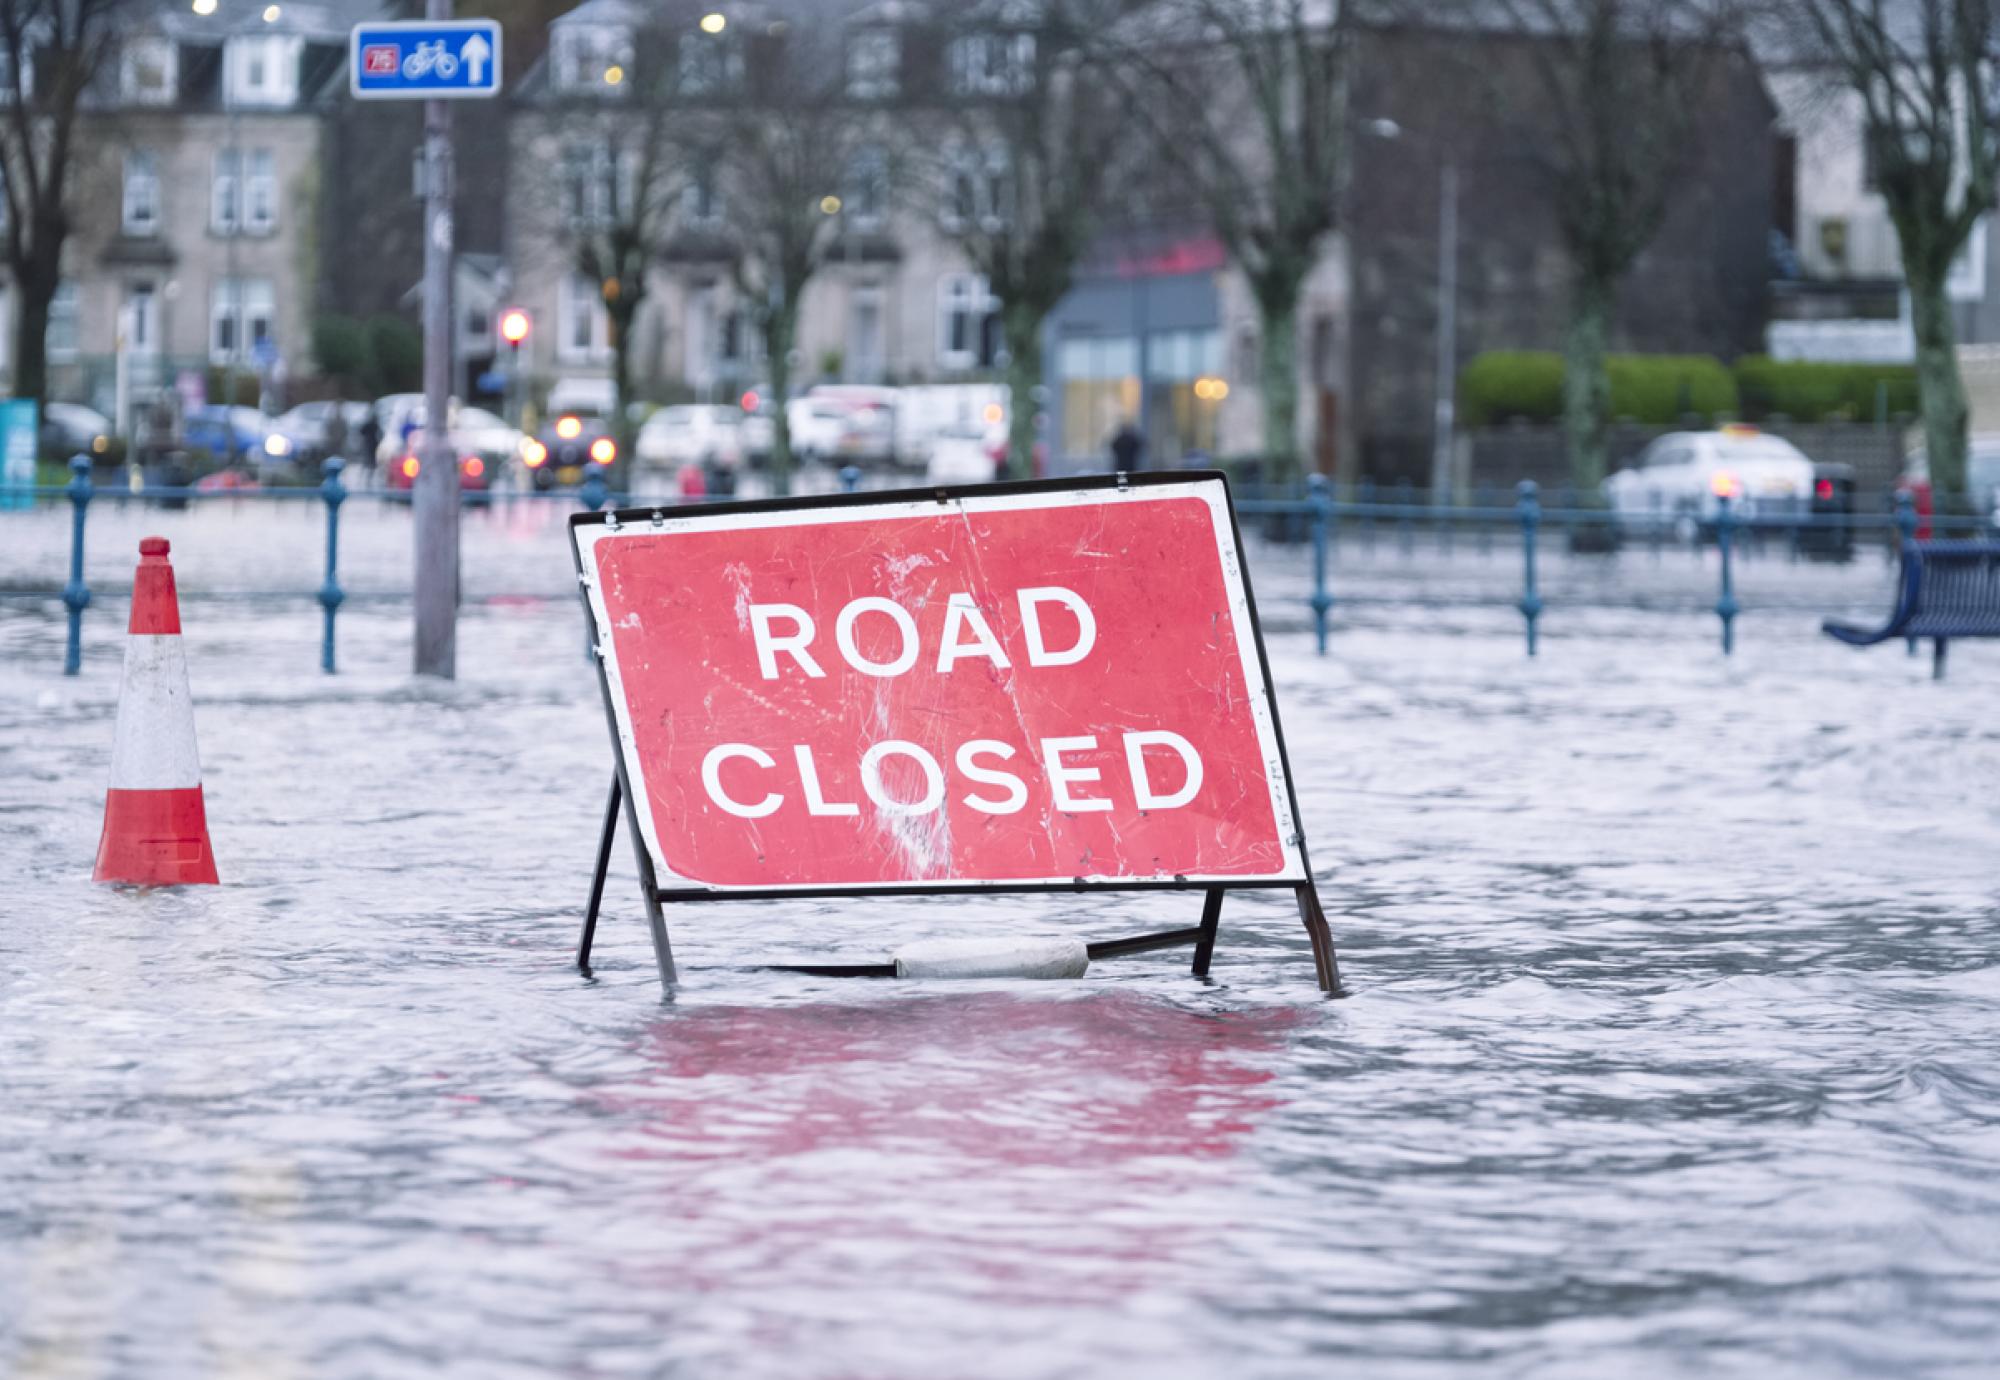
(395, 354)
(340, 347)
(1511, 385)
(1506, 385)
(1808, 391)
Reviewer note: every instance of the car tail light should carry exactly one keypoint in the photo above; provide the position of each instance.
(750, 401)
(473, 466)
(410, 467)
(604, 450)
(1823, 490)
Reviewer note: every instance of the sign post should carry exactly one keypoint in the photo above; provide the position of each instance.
(433, 60)
(1046, 686)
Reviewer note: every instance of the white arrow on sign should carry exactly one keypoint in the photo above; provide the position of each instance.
(474, 55)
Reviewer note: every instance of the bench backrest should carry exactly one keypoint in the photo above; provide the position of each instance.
(1958, 584)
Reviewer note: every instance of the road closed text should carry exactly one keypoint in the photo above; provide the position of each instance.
(1012, 688)
(877, 637)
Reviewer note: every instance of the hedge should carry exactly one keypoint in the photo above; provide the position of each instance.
(1806, 391)
(1506, 385)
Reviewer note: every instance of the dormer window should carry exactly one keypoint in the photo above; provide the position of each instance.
(872, 61)
(148, 71)
(710, 64)
(263, 69)
(992, 64)
(593, 58)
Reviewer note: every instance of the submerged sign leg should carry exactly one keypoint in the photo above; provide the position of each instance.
(1211, 916)
(1321, 936)
(597, 878)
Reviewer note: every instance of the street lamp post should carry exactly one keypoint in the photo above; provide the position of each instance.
(1444, 410)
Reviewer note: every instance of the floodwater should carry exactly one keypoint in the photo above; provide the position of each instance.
(1674, 990)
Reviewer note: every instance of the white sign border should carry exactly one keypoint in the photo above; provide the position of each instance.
(587, 537)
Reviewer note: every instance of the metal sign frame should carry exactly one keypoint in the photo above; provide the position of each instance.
(1201, 937)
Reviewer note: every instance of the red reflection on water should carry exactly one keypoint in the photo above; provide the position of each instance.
(980, 1077)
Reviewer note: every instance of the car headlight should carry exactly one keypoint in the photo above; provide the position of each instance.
(277, 445)
(604, 450)
(533, 453)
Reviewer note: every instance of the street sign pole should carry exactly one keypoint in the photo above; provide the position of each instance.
(436, 497)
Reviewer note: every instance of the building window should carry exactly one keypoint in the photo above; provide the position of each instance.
(977, 190)
(872, 61)
(142, 193)
(1184, 369)
(60, 341)
(1100, 390)
(225, 191)
(701, 203)
(148, 69)
(260, 185)
(242, 317)
(593, 58)
(968, 323)
(585, 328)
(587, 185)
(992, 64)
(710, 65)
(263, 69)
(867, 192)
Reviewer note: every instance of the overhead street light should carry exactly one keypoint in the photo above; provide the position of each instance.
(714, 22)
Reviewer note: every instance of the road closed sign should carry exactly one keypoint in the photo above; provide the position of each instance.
(1050, 685)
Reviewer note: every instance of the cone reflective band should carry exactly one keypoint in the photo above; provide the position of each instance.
(155, 822)
(1022, 688)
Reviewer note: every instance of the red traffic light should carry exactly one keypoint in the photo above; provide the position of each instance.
(514, 325)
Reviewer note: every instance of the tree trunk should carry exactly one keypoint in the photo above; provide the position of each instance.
(1023, 330)
(622, 313)
(1940, 390)
(1278, 376)
(1586, 384)
(31, 330)
(778, 347)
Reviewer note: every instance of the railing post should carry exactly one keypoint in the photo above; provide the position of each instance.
(1906, 531)
(1322, 514)
(1530, 508)
(592, 493)
(330, 596)
(76, 594)
(1726, 606)
(850, 478)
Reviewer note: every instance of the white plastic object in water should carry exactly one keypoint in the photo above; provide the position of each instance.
(992, 958)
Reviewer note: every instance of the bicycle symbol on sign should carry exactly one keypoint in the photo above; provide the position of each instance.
(430, 57)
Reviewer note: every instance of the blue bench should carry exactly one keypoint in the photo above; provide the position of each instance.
(1947, 589)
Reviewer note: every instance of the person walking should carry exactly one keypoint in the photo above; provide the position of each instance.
(371, 441)
(1128, 448)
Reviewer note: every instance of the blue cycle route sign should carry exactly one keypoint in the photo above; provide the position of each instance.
(424, 60)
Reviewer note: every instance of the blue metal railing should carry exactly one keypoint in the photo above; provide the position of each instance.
(1307, 513)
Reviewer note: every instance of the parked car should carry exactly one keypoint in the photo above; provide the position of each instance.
(704, 435)
(232, 435)
(474, 474)
(1682, 477)
(73, 429)
(961, 455)
(302, 430)
(1982, 481)
(567, 450)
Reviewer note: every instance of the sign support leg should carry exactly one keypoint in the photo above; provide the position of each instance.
(1321, 936)
(1211, 916)
(610, 832)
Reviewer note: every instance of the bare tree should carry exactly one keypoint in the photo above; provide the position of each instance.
(53, 50)
(1246, 101)
(781, 136)
(1623, 85)
(1921, 72)
(1032, 137)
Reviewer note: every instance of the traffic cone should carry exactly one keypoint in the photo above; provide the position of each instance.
(155, 826)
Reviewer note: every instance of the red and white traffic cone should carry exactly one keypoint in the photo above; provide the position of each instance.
(155, 826)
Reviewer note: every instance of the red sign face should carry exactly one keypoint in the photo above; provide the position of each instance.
(379, 60)
(1007, 688)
